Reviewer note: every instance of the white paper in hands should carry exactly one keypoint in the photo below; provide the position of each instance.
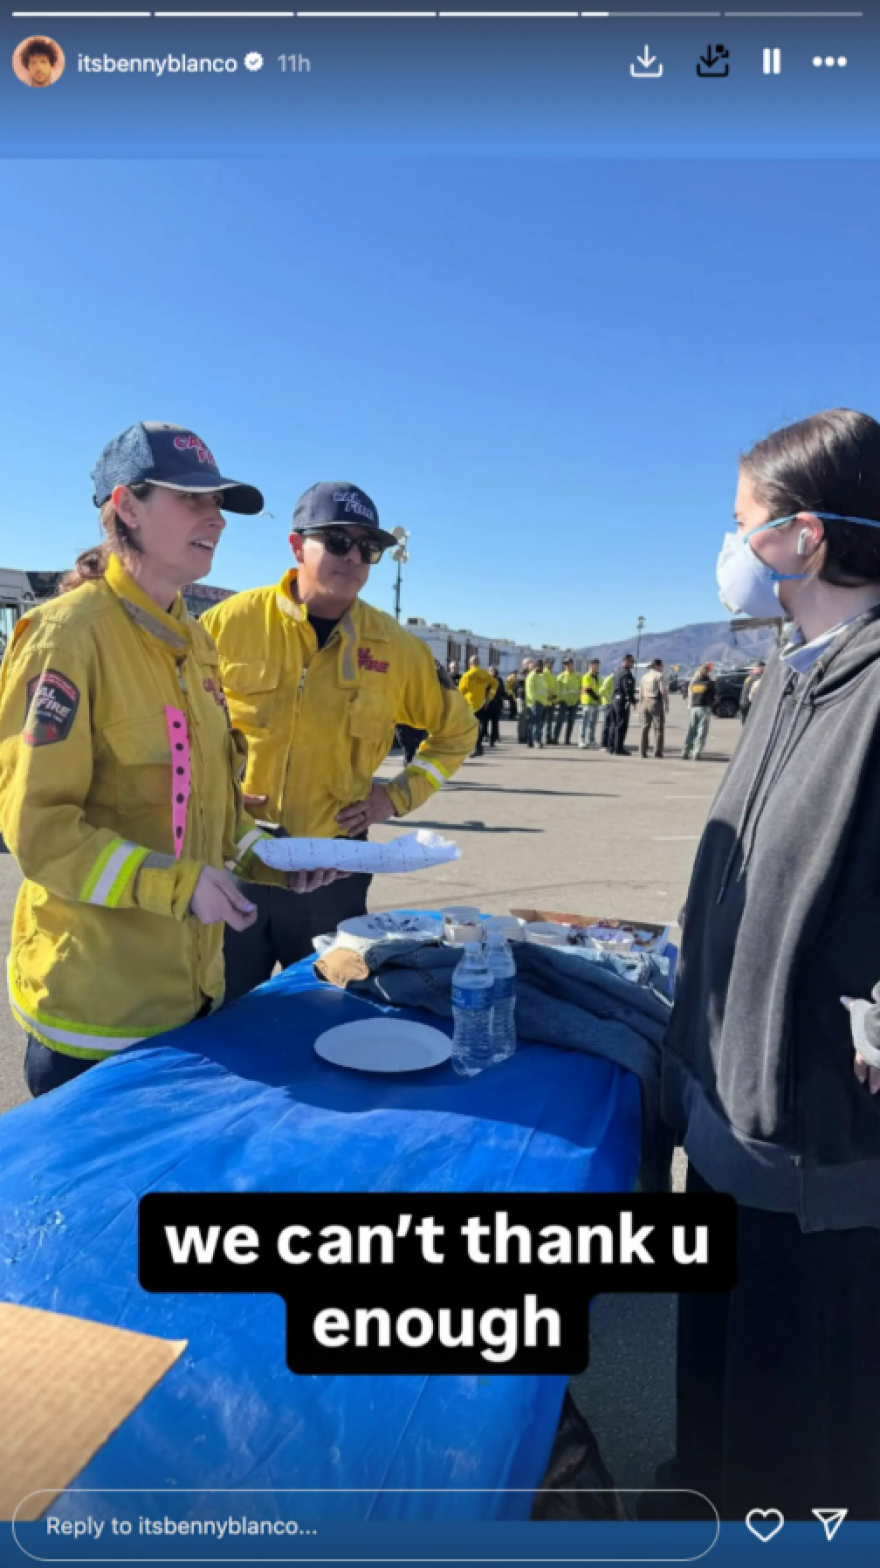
(407, 852)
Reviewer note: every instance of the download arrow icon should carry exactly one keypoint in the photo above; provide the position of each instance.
(645, 60)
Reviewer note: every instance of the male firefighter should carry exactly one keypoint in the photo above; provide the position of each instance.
(317, 680)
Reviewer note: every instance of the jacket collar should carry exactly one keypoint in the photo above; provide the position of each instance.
(171, 628)
(349, 626)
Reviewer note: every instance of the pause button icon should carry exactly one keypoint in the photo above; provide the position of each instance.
(772, 62)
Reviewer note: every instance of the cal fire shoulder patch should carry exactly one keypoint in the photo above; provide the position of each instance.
(52, 701)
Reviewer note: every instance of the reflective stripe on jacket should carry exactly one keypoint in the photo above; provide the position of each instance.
(319, 722)
(104, 951)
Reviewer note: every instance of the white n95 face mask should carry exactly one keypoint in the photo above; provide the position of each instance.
(746, 584)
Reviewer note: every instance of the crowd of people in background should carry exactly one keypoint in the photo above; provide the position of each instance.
(546, 705)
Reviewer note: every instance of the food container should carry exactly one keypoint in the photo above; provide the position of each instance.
(637, 936)
(462, 923)
(550, 933)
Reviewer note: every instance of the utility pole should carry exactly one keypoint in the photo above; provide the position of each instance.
(640, 626)
(401, 556)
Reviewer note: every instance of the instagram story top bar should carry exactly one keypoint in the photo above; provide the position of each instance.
(480, 15)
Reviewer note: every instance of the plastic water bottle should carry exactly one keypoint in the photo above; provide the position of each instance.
(502, 968)
(472, 988)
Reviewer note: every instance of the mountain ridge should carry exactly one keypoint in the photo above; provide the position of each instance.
(700, 643)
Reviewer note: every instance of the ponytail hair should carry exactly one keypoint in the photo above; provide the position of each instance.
(119, 540)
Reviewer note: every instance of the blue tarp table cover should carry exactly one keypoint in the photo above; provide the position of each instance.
(239, 1102)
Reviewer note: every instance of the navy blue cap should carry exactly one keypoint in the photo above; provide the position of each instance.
(171, 457)
(333, 502)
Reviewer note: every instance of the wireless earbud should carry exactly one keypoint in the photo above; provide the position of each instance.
(803, 541)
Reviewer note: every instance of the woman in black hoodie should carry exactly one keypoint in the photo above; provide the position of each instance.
(771, 1070)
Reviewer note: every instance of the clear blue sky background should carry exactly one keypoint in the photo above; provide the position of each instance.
(544, 369)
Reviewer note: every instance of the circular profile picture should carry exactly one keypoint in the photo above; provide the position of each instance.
(38, 62)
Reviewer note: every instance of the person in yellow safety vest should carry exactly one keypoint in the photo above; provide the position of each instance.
(536, 702)
(120, 792)
(568, 690)
(591, 701)
(478, 687)
(317, 680)
(607, 696)
(550, 685)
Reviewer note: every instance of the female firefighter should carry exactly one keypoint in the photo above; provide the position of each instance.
(119, 772)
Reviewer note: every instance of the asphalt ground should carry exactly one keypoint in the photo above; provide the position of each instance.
(572, 831)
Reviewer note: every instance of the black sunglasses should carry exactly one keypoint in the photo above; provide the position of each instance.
(339, 542)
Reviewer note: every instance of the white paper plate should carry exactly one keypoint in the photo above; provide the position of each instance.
(384, 1045)
(363, 930)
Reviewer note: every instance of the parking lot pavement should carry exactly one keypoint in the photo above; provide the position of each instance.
(570, 831)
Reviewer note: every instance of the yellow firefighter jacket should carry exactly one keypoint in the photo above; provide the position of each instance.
(568, 687)
(319, 722)
(104, 952)
(476, 687)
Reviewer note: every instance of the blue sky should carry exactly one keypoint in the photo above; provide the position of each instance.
(545, 370)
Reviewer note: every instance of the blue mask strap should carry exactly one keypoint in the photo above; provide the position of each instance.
(826, 517)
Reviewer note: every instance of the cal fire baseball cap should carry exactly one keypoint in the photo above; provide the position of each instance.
(333, 502)
(171, 457)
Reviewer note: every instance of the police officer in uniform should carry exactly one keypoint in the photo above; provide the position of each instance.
(623, 700)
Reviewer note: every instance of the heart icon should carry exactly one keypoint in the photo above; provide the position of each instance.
(764, 1523)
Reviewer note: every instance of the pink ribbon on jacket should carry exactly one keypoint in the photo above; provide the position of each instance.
(181, 776)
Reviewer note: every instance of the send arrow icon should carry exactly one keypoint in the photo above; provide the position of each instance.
(831, 1519)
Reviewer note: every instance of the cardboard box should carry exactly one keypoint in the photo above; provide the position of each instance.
(66, 1384)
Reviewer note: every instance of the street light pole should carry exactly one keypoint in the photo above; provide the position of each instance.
(640, 626)
(401, 556)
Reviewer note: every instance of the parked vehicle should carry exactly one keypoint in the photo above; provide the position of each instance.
(729, 685)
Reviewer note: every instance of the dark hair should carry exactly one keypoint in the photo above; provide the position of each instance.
(657, 664)
(39, 46)
(827, 463)
(90, 566)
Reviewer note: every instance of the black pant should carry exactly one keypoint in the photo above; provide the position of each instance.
(616, 726)
(488, 725)
(565, 715)
(779, 1379)
(45, 1069)
(283, 930)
